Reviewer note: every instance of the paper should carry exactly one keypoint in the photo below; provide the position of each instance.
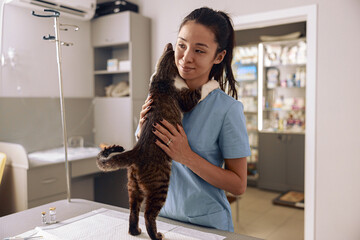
(109, 224)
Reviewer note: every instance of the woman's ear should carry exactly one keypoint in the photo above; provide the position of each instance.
(219, 57)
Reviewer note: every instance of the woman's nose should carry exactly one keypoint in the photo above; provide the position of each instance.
(188, 56)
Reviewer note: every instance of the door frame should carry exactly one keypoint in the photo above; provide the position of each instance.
(309, 14)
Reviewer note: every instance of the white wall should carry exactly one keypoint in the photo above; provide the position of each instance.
(337, 150)
(35, 73)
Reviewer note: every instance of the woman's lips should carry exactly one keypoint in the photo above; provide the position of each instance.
(186, 69)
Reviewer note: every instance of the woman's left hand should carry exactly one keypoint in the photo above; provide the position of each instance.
(174, 141)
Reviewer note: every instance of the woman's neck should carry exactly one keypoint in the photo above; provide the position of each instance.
(195, 84)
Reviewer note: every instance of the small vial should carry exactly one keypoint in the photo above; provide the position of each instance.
(43, 218)
(52, 214)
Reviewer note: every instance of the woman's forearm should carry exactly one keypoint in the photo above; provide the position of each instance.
(230, 180)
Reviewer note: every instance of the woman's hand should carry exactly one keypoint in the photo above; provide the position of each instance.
(144, 110)
(174, 142)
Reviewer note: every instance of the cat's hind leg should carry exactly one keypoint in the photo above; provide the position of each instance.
(154, 202)
(136, 197)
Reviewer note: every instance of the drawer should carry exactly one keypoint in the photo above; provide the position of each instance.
(42, 201)
(83, 167)
(103, 33)
(46, 180)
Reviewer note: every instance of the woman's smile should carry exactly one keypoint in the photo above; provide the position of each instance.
(185, 68)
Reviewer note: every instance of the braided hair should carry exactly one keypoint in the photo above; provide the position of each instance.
(221, 25)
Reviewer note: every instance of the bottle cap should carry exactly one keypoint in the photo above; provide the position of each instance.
(52, 208)
(43, 213)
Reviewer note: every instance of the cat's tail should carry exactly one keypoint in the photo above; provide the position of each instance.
(114, 158)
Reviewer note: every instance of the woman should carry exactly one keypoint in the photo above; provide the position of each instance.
(213, 132)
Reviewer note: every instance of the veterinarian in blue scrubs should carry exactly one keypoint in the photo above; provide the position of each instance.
(213, 133)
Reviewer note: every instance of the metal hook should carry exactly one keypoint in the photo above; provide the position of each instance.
(49, 37)
(56, 13)
(66, 44)
(76, 28)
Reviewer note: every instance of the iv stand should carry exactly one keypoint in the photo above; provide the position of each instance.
(56, 38)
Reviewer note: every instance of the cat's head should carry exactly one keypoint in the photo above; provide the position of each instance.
(165, 67)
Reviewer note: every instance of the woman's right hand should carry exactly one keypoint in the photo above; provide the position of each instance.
(144, 110)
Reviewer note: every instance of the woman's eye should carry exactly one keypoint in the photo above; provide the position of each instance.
(181, 45)
(199, 51)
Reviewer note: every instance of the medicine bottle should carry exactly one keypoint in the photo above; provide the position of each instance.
(43, 218)
(52, 214)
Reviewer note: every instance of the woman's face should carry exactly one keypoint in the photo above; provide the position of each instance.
(195, 53)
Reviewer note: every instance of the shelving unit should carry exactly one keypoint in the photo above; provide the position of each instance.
(245, 72)
(281, 104)
(125, 37)
(272, 104)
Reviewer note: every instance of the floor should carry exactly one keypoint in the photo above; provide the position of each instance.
(258, 217)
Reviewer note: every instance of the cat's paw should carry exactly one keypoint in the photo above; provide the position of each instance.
(107, 152)
(159, 236)
(111, 149)
(134, 231)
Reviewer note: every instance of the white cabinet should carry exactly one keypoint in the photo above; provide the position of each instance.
(124, 37)
(111, 29)
(29, 182)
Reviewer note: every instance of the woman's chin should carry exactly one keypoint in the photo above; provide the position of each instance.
(185, 75)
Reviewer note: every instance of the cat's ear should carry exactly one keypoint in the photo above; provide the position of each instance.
(168, 47)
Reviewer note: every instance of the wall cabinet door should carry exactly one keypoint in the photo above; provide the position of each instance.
(281, 161)
(295, 146)
(272, 162)
(111, 29)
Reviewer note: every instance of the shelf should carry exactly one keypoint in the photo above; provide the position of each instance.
(287, 65)
(105, 72)
(283, 110)
(279, 87)
(248, 112)
(246, 80)
(105, 98)
(282, 131)
(112, 45)
(248, 96)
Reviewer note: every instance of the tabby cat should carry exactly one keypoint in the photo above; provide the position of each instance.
(148, 166)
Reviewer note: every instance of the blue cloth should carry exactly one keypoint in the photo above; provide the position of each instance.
(216, 130)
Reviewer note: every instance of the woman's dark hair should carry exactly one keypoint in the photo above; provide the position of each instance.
(220, 24)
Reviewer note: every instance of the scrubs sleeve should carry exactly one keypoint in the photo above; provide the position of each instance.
(233, 139)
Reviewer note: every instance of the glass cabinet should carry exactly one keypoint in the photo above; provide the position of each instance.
(281, 92)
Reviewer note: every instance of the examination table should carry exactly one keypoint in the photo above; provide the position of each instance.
(18, 223)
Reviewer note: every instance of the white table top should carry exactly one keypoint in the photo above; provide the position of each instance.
(21, 222)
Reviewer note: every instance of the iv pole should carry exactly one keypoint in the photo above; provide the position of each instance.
(56, 38)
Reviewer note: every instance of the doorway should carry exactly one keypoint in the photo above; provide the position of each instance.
(306, 14)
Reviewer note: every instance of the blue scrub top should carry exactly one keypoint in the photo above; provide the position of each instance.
(216, 130)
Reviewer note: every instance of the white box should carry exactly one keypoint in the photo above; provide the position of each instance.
(112, 65)
(124, 65)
